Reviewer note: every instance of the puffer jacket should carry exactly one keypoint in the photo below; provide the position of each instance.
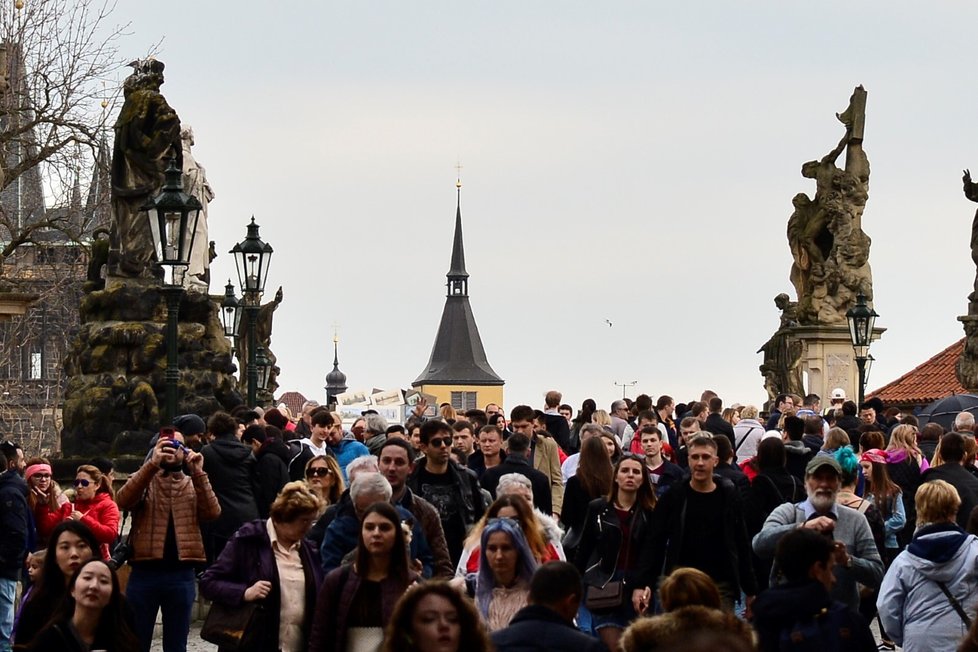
(153, 496)
(912, 607)
(101, 515)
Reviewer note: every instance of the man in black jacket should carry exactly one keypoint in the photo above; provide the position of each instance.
(15, 519)
(714, 421)
(230, 466)
(517, 461)
(555, 422)
(953, 472)
(548, 622)
(698, 523)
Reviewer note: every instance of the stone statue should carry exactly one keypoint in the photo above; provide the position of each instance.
(263, 335)
(782, 353)
(971, 192)
(830, 251)
(147, 131)
(195, 184)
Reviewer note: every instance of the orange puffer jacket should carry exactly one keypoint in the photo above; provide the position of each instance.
(153, 497)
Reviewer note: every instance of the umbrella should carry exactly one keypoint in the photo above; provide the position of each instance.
(943, 410)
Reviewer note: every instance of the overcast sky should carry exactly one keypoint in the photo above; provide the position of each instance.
(628, 161)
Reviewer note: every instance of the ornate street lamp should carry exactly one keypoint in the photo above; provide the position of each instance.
(264, 368)
(173, 218)
(252, 258)
(230, 313)
(861, 319)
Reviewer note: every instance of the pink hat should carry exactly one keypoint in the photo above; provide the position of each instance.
(874, 455)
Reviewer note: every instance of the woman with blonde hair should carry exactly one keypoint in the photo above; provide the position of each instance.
(513, 507)
(601, 417)
(835, 439)
(324, 477)
(95, 506)
(926, 601)
(47, 502)
(905, 463)
(271, 561)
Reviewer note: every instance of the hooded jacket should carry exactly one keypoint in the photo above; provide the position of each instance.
(783, 608)
(15, 520)
(272, 470)
(230, 466)
(912, 607)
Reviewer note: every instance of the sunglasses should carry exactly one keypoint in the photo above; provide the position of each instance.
(81, 482)
(438, 442)
(318, 472)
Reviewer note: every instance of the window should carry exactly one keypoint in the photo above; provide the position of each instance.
(462, 401)
(36, 367)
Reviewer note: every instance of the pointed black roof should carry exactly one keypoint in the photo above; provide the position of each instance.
(458, 357)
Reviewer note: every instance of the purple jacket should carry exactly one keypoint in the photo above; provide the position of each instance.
(248, 558)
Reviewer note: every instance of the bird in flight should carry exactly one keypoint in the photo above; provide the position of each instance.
(608, 321)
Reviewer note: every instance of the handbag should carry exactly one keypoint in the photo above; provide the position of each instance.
(235, 628)
(603, 599)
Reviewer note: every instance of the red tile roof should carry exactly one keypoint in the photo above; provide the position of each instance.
(926, 382)
(293, 401)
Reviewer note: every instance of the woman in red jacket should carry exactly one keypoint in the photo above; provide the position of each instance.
(49, 504)
(95, 506)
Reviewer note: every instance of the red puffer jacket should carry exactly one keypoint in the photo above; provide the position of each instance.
(101, 515)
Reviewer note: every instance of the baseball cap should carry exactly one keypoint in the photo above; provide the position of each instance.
(819, 461)
(838, 393)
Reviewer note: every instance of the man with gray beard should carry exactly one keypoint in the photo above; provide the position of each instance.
(856, 556)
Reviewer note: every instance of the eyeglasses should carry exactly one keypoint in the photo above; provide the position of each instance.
(42, 476)
(318, 472)
(82, 482)
(438, 442)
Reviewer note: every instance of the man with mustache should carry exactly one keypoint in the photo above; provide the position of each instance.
(857, 559)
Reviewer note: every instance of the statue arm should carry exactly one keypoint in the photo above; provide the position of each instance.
(970, 187)
(832, 156)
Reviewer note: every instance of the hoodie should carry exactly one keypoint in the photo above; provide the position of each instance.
(230, 466)
(914, 610)
(796, 458)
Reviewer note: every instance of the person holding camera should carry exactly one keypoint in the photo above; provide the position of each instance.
(166, 545)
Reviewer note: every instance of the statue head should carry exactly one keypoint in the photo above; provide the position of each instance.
(782, 301)
(187, 135)
(147, 74)
(809, 170)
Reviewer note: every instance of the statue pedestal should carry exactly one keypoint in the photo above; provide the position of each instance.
(828, 359)
(966, 368)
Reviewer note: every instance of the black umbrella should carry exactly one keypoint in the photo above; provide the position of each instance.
(943, 410)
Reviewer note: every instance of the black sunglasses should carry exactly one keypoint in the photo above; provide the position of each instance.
(438, 442)
(318, 472)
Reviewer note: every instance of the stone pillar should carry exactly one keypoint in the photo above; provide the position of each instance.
(828, 359)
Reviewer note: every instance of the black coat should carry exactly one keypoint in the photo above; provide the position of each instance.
(600, 547)
(272, 469)
(959, 478)
(715, 424)
(559, 430)
(230, 466)
(542, 499)
(536, 627)
(16, 521)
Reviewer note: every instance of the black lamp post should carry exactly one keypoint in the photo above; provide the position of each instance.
(230, 313)
(173, 218)
(252, 257)
(861, 320)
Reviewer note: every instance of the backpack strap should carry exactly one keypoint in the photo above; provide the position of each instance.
(954, 603)
(744, 438)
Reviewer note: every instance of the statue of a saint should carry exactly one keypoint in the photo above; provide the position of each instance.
(782, 353)
(147, 131)
(971, 192)
(195, 184)
(830, 251)
(263, 335)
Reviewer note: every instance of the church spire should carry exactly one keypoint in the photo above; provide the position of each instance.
(458, 278)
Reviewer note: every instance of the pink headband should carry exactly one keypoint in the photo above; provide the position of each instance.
(874, 455)
(34, 469)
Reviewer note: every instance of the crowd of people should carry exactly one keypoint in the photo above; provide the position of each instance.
(653, 525)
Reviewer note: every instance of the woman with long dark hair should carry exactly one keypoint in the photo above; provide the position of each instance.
(583, 418)
(355, 601)
(615, 527)
(71, 544)
(592, 480)
(887, 497)
(91, 617)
